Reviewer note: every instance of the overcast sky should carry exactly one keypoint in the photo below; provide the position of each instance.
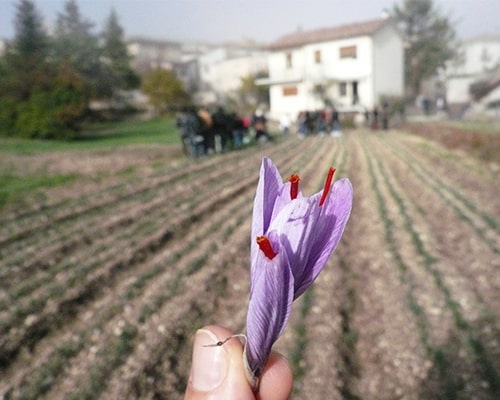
(262, 20)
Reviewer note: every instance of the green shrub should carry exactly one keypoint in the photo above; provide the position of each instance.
(8, 115)
(53, 113)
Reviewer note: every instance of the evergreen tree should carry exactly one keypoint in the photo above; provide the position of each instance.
(77, 46)
(116, 56)
(27, 54)
(430, 39)
(39, 97)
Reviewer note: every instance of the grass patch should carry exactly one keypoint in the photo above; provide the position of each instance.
(13, 187)
(123, 133)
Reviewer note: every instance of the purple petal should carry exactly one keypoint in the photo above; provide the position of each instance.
(271, 196)
(329, 225)
(269, 308)
(309, 233)
(268, 189)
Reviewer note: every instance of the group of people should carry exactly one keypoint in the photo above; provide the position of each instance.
(329, 121)
(319, 122)
(378, 118)
(204, 132)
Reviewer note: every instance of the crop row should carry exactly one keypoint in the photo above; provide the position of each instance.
(405, 307)
(72, 346)
(437, 295)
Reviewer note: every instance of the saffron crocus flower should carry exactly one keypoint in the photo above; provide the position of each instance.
(292, 238)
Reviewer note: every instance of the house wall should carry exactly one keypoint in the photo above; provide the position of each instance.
(457, 89)
(306, 75)
(227, 74)
(478, 55)
(388, 64)
(346, 71)
(284, 80)
(221, 70)
(377, 69)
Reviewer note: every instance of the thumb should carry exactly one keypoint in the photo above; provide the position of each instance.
(217, 372)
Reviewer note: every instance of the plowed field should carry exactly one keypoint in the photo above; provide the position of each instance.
(104, 280)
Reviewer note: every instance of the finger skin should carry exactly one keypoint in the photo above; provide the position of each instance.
(275, 384)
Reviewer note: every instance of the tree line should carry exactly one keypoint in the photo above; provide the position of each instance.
(47, 80)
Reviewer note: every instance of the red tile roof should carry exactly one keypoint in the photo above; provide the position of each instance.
(326, 34)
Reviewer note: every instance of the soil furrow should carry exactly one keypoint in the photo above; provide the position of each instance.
(484, 224)
(94, 282)
(469, 270)
(462, 328)
(132, 286)
(111, 283)
(382, 331)
(250, 185)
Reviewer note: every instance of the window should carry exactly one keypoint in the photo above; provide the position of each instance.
(317, 56)
(348, 52)
(289, 60)
(343, 89)
(290, 91)
(355, 95)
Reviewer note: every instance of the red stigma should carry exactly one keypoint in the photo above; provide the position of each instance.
(328, 184)
(294, 188)
(265, 246)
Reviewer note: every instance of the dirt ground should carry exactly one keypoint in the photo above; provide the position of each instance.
(104, 280)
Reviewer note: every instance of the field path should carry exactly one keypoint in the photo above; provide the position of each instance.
(101, 293)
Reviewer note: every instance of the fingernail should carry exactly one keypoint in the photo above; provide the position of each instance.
(209, 365)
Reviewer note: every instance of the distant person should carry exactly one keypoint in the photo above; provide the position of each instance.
(301, 124)
(189, 127)
(375, 118)
(285, 125)
(221, 127)
(237, 127)
(193, 128)
(207, 130)
(385, 115)
(321, 122)
(335, 123)
(259, 122)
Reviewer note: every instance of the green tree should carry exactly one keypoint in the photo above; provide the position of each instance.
(250, 95)
(430, 39)
(39, 96)
(116, 57)
(77, 46)
(53, 112)
(164, 90)
(24, 66)
(26, 57)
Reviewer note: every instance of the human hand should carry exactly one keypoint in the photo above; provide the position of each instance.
(217, 373)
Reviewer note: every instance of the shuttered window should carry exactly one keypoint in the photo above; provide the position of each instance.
(290, 91)
(348, 52)
(317, 56)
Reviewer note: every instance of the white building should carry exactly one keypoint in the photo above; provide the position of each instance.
(222, 69)
(479, 57)
(212, 72)
(351, 67)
